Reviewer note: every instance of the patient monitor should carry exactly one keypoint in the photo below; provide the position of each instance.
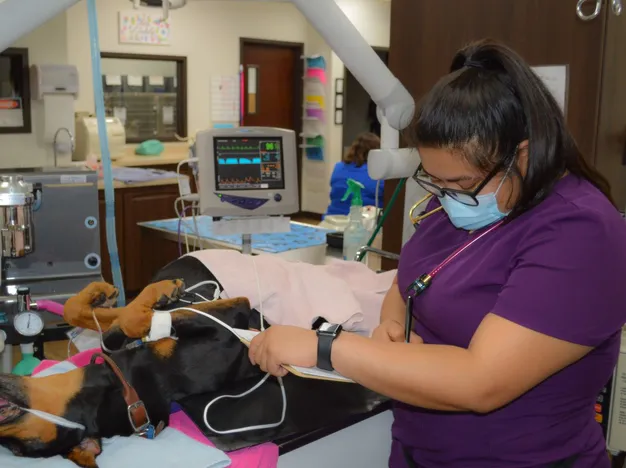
(247, 171)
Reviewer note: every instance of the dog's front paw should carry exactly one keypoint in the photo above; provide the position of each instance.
(99, 294)
(166, 292)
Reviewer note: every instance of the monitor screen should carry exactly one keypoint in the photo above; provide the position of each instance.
(249, 163)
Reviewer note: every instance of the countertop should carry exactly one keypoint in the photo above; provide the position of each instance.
(117, 185)
(173, 154)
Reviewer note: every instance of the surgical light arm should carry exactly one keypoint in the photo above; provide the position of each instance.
(20, 17)
(396, 106)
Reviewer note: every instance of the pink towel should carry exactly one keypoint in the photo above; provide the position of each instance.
(295, 293)
(317, 73)
(261, 456)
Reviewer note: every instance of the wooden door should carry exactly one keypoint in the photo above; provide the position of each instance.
(425, 34)
(272, 84)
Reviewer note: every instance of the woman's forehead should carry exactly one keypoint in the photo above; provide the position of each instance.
(447, 164)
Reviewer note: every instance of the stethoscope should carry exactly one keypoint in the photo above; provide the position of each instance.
(422, 283)
(616, 7)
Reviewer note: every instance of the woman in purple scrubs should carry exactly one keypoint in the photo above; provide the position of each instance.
(517, 335)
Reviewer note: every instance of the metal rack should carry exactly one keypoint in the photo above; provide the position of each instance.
(145, 113)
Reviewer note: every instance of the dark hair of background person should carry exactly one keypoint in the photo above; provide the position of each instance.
(361, 146)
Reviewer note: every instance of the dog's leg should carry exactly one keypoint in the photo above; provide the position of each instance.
(84, 455)
(96, 298)
(134, 319)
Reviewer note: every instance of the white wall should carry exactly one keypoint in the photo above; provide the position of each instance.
(46, 44)
(206, 32)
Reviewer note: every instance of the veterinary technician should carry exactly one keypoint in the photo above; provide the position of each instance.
(354, 166)
(520, 330)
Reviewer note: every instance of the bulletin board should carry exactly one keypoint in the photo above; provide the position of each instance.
(139, 27)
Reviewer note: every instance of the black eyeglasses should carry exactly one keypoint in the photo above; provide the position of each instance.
(466, 197)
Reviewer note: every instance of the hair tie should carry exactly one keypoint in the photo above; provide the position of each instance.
(473, 64)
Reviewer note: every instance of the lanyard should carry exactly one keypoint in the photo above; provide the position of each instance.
(422, 283)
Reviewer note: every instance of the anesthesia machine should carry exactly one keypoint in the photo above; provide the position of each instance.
(50, 248)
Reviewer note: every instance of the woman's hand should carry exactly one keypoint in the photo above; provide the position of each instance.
(393, 331)
(280, 345)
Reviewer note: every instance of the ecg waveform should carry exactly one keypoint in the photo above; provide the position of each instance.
(244, 181)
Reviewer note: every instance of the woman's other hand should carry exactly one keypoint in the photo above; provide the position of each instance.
(282, 345)
(393, 331)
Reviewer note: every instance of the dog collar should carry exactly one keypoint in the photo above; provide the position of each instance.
(137, 412)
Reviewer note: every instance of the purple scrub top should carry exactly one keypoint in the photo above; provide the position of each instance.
(558, 269)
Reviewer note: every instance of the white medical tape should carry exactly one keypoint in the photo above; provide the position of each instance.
(161, 326)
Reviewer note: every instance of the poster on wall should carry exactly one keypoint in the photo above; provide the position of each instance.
(225, 98)
(555, 77)
(138, 27)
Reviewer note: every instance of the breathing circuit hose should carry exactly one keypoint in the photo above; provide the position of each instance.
(109, 193)
(386, 212)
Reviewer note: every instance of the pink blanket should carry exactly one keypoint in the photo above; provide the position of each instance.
(261, 456)
(297, 293)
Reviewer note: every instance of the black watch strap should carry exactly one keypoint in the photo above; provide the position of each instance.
(324, 348)
(326, 335)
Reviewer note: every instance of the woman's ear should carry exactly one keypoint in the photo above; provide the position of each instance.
(522, 157)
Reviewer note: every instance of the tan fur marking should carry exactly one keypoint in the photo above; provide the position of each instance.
(83, 458)
(163, 348)
(50, 394)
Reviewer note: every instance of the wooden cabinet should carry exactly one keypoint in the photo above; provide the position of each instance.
(140, 261)
(141, 255)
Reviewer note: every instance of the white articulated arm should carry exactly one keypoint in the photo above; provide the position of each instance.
(20, 17)
(395, 104)
(345, 40)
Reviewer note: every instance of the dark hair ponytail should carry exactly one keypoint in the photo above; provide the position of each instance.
(489, 103)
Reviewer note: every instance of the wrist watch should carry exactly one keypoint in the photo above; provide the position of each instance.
(326, 334)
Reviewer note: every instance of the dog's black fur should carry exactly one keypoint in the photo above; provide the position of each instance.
(204, 361)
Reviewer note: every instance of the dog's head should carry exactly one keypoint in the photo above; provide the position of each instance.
(29, 435)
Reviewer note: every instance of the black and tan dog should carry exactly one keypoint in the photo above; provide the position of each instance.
(201, 359)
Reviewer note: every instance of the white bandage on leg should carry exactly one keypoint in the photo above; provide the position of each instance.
(161, 326)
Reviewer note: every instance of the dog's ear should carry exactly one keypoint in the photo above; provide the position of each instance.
(85, 453)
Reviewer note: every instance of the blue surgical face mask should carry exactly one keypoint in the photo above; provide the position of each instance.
(472, 218)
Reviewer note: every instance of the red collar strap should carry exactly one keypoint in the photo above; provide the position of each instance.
(137, 412)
